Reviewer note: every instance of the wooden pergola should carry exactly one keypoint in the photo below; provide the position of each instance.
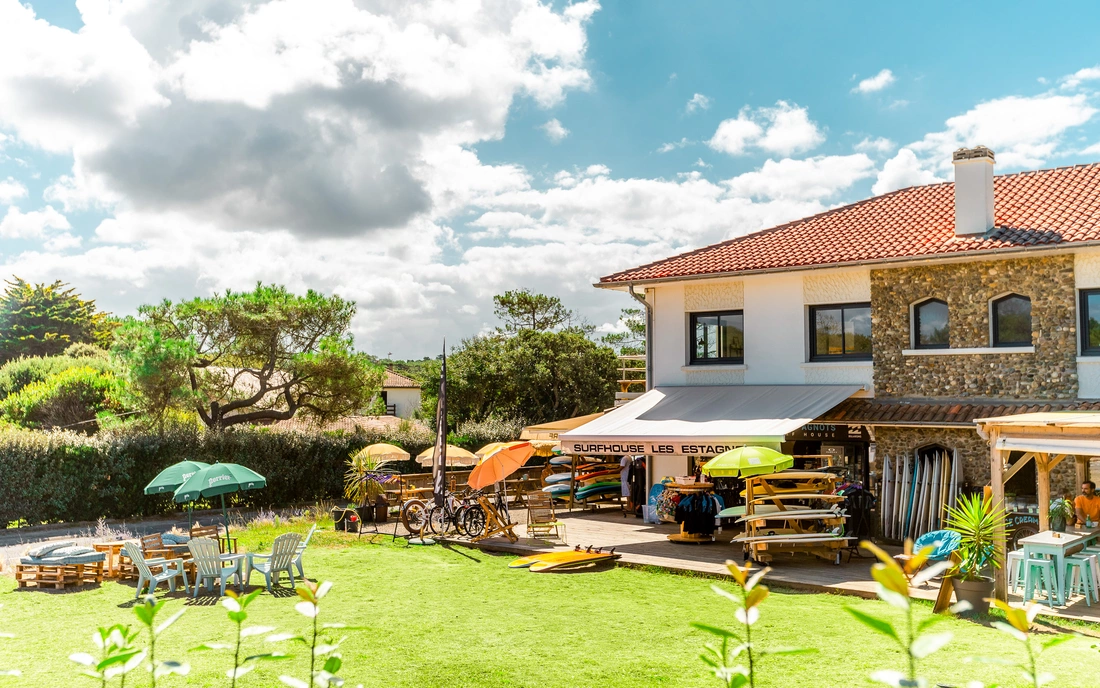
(1046, 438)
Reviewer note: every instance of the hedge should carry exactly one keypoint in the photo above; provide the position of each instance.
(66, 476)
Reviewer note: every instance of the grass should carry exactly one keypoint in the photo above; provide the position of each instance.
(437, 616)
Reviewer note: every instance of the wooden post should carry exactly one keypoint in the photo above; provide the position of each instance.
(1042, 465)
(996, 478)
(1082, 470)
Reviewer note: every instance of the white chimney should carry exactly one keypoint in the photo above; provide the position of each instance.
(973, 190)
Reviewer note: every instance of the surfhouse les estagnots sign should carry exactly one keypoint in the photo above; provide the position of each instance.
(700, 446)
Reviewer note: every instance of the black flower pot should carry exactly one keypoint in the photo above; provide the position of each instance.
(975, 592)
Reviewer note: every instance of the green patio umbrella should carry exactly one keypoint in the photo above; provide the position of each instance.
(745, 461)
(174, 476)
(219, 479)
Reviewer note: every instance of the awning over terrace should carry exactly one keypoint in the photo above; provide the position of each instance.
(704, 421)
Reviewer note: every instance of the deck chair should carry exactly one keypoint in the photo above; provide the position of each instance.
(283, 552)
(302, 550)
(541, 521)
(210, 565)
(942, 542)
(152, 546)
(170, 570)
(215, 534)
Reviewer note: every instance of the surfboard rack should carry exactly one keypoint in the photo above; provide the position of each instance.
(781, 529)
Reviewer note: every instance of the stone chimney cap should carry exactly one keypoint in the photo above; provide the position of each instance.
(972, 153)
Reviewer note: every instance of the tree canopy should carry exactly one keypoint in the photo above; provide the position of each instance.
(45, 319)
(250, 357)
(523, 309)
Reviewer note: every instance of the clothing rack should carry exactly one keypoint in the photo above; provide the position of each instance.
(692, 489)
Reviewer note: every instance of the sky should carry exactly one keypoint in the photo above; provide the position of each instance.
(418, 158)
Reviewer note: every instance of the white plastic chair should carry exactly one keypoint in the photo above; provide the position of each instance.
(283, 552)
(170, 570)
(302, 550)
(211, 565)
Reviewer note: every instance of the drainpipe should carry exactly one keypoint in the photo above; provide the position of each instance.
(640, 298)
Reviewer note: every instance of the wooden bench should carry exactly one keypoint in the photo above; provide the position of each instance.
(58, 577)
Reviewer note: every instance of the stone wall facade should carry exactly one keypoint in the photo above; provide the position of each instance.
(973, 454)
(1048, 373)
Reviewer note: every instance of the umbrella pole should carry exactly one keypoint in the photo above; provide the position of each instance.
(190, 522)
(225, 517)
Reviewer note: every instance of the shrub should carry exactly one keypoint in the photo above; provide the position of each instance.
(66, 476)
(473, 435)
(72, 397)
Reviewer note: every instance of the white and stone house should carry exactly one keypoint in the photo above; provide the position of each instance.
(881, 327)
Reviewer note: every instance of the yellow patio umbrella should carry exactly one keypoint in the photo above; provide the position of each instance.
(500, 464)
(494, 446)
(384, 452)
(455, 456)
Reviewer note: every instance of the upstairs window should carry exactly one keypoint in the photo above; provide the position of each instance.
(1012, 321)
(840, 332)
(718, 337)
(931, 325)
(1090, 322)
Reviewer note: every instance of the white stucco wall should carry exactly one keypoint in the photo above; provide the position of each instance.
(1086, 272)
(406, 399)
(776, 328)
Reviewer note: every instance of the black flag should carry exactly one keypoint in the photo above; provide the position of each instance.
(439, 465)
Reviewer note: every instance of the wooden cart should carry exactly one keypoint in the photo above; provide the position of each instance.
(774, 523)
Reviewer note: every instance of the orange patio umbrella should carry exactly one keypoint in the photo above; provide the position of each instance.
(500, 464)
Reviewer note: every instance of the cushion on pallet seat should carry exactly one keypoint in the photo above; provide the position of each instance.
(72, 551)
(44, 550)
(173, 539)
(70, 560)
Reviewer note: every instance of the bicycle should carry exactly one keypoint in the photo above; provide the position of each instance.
(474, 519)
(442, 519)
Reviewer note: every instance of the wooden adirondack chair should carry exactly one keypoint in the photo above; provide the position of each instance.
(302, 550)
(211, 565)
(215, 534)
(170, 570)
(541, 521)
(283, 552)
(152, 546)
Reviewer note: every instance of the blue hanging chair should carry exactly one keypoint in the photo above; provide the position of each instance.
(943, 542)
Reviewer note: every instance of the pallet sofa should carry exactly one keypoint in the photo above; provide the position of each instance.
(59, 565)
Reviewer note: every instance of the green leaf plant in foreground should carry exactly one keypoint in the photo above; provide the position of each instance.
(1018, 626)
(8, 672)
(146, 612)
(117, 655)
(236, 608)
(724, 659)
(323, 644)
(892, 581)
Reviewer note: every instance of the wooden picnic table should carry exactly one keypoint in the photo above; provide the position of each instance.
(112, 564)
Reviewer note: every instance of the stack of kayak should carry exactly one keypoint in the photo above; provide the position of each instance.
(564, 561)
(592, 480)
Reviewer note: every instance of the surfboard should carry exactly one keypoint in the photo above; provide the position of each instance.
(598, 489)
(558, 489)
(556, 478)
(580, 558)
(799, 495)
(794, 516)
(887, 494)
(815, 537)
(524, 562)
(598, 476)
(561, 461)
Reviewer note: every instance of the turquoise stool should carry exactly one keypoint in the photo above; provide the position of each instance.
(1015, 569)
(1094, 552)
(1040, 572)
(1079, 577)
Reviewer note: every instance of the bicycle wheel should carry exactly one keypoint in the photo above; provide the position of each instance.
(474, 521)
(460, 519)
(438, 521)
(414, 515)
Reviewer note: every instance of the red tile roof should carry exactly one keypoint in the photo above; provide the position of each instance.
(1044, 208)
(398, 380)
(940, 412)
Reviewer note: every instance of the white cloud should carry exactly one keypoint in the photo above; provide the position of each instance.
(597, 171)
(803, 180)
(1094, 149)
(880, 145)
(62, 242)
(555, 131)
(875, 83)
(1022, 131)
(898, 104)
(673, 145)
(902, 170)
(1081, 75)
(784, 129)
(701, 163)
(33, 225)
(11, 189)
(697, 102)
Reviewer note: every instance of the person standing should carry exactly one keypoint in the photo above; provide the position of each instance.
(1087, 504)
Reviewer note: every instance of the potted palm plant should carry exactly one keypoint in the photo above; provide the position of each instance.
(363, 483)
(976, 520)
(1062, 513)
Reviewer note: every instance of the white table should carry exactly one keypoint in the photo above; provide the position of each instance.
(1055, 545)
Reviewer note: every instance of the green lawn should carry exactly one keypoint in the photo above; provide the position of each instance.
(458, 617)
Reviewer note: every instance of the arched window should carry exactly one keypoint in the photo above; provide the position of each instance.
(1012, 321)
(931, 325)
